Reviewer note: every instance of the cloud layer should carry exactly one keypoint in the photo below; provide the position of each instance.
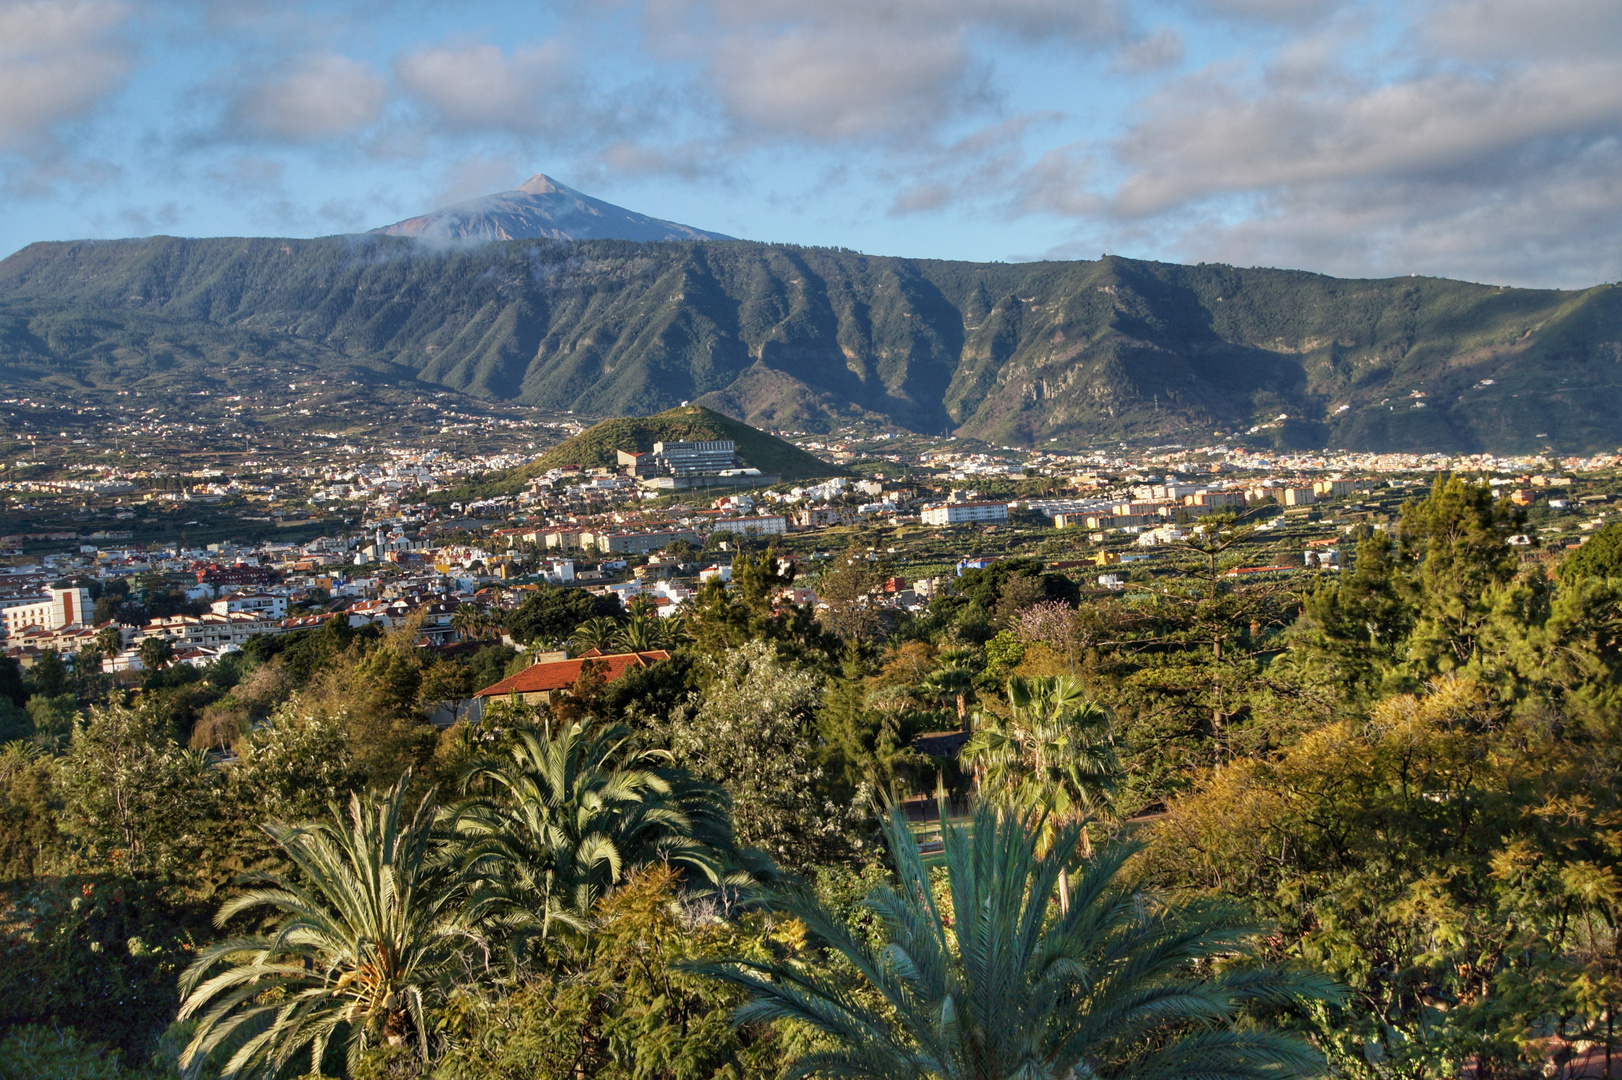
(1467, 137)
(58, 62)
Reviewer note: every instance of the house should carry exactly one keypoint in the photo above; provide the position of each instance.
(537, 683)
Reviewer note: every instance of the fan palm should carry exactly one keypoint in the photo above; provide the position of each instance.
(468, 621)
(363, 935)
(566, 817)
(1053, 754)
(951, 685)
(110, 640)
(155, 652)
(988, 982)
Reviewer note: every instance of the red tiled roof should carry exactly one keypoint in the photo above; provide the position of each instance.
(561, 674)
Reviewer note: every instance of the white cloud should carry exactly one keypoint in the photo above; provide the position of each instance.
(824, 85)
(316, 98)
(1552, 225)
(1206, 136)
(481, 86)
(58, 60)
(847, 70)
(1519, 30)
(1153, 52)
(1484, 141)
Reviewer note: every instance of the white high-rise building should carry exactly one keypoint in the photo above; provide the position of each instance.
(53, 611)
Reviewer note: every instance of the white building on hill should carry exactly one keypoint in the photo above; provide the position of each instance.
(56, 609)
(966, 513)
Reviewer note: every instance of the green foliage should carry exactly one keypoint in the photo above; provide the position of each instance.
(1022, 581)
(38, 1053)
(629, 1008)
(132, 797)
(566, 816)
(1600, 556)
(15, 723)
(49, 675)
(292, 766)
(1457, 536)
(31, 844)
(1456, 872)
(99, 953)
(549, 617)
(863, 748)
(727, 616)
(596, 447)
(847, 593)
(983, 980)
(1357, 626)
(365, 935)
(1053, 755)
(752, 731)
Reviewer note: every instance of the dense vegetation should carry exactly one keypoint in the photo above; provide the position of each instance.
(1364, 822)
(789, 337)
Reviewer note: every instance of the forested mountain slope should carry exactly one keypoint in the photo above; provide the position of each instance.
(787, 336)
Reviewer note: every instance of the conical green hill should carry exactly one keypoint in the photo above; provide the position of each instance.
(596, 446)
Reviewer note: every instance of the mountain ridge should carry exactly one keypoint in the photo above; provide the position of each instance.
(784, 336)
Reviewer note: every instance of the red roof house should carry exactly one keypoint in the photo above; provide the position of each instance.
(538, 682)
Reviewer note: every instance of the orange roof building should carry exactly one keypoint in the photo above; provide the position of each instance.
(538, 682)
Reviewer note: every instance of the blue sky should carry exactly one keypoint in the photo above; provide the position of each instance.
(1479, 139)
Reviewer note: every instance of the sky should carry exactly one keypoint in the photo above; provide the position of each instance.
(1473, 139)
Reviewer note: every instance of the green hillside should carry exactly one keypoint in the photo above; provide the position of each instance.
(597, 446)
(782, 336)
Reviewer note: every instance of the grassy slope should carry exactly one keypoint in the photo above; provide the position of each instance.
(597, 445)
(780, 335)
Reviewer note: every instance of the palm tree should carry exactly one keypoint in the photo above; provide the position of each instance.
(639, 633)
(1054, 754)
(364, 935)
(987, 982)
(468, 621)
(110, 640)
(596, 632)
(566, 817)
(951, 684)
(155, 652)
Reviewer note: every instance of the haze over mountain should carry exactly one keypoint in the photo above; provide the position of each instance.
(784, 336)
(541, 207)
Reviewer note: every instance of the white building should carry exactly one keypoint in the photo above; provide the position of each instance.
(264, 604)
(211, 631)
(559, 571)
(53, 611)
(965, 513)
(761, 525)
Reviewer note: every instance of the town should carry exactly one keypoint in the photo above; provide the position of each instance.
(157, 560)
